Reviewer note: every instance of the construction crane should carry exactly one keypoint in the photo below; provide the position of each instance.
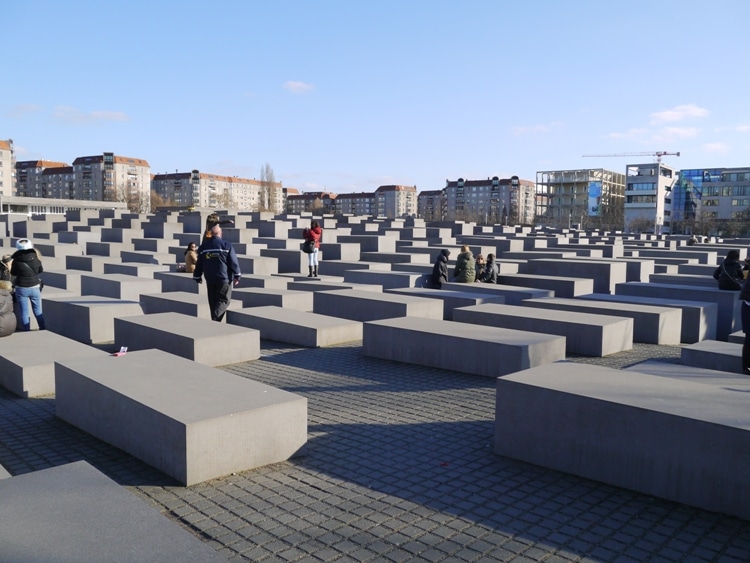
(657, 154)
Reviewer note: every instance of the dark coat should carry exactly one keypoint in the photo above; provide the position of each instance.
(26, 268)
(217, 261)
(440, 270)
(729, 274)
(464, 270)
(490, 273)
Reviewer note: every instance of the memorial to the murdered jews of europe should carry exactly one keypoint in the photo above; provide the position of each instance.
(590, 405)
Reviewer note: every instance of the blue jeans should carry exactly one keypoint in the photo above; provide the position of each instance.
(24, 295)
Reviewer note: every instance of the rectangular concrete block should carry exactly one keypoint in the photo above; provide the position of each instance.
(27, 360)
(297, 327)
(670, 438)
(88, 319)
(586, 334)
(651, 324)
(188, 420)
(452, 300)
(262, 297)
(204, 341)
(357, 305)
(479, 350)
(118, 286)
(714, 354)
(74, 512)
(191, 304)
(513, 295)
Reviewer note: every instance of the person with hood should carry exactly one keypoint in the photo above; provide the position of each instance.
(26, 269)
(464, 270)
(8, 322)
(490, 270)
(440, 269)
(729, 273)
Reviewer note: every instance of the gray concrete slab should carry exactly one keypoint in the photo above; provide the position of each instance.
(465, 348)
(75, 513)
(192, 304)
(203, 341)
(586, 334)
(297, 327)
(657, 435)
(714, 354)
(358, 305)
(27, 360)
(513, 295)
(88, 319)
(190, 421)
(562, 286)
(452, 300)
(118, 286)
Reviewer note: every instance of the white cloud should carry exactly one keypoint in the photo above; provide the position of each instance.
(672, 133)
(678, 113)
(23, 110)
(743, 128)
(716, 147)
(629, 134)
(297, 87)
(74, 115)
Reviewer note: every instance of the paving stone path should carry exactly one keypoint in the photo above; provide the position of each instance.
(399, 467)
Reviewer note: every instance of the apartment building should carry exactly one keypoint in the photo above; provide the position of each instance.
(110, 177)
(7, 167)
(430, 205)
(355, 204)
(395, 201)
(588, 197)
(31, 180)
(490, 201)
(320, 202)
(199, 189)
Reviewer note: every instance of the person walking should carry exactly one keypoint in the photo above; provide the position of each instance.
(191, 257)
(313, 233)
(25, 270)
(464, 270)
(440, 269)
(729, 273)
(218, 263)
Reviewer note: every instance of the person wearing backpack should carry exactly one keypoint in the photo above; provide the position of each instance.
(312, 237)
(729, 273)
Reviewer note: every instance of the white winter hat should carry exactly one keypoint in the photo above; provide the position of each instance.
(24, 244)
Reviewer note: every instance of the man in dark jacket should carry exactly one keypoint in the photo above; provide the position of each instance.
(440, 269)
(217, 262)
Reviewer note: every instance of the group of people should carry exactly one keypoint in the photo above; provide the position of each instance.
(467, 269)
(216, 261)
(20, 283)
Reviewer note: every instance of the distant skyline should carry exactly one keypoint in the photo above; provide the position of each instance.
(348, 95)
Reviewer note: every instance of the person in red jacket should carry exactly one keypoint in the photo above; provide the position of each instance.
(313, 233)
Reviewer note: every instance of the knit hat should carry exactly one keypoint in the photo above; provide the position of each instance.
(24, 244)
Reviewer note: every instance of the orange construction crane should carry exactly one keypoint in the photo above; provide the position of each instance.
(657, 154)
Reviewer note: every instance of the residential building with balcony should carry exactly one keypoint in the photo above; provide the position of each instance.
(109, 177)
(199, 189)
(394, 201)
(319, 202)
(356, 204)
(7, 167)
(33, 178)
(430, 205)
(591, 197)
(490, 201)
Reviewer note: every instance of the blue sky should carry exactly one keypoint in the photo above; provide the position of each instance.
(349, 95)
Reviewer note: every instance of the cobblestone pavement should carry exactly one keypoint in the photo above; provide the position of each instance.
(399, 467)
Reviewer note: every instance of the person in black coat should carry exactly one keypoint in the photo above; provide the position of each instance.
(440, 269)
(25, 271)
(729, 273)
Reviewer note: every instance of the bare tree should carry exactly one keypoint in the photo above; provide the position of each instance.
(268, 188)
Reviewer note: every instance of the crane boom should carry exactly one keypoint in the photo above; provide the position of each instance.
(657, 154)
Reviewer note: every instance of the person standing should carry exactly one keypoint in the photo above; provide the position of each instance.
(745, 312)
(440, 269)
(218, 263)
(464, 270)
(313, 233)
(191, 257)
(26, 269)
(729, 273)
